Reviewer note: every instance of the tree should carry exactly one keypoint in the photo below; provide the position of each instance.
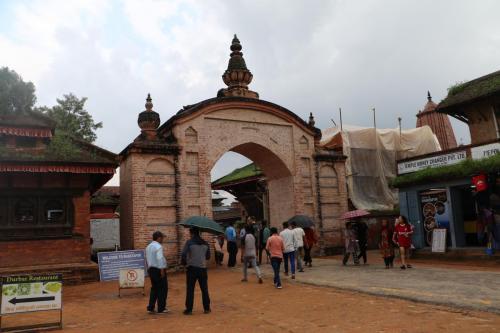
(71, 118)
(16, 96)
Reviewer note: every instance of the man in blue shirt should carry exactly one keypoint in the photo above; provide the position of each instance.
(157, 269)
(232, 247)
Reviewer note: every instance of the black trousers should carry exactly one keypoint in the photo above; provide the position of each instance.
(362, 251)
(389, 261)
(232, 249)
(307, 255)
(159, 290)
(194, 274)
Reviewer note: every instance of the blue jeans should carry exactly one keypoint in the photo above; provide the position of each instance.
(289, 256)
(276, 263)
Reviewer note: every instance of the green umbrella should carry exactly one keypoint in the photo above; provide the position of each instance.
(203, 223)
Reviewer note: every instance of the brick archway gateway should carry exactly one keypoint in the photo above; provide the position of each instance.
(165, 171)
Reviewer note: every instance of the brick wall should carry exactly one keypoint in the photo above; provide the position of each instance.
(481, 122)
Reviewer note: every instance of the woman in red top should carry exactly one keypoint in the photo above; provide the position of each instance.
(402, 236)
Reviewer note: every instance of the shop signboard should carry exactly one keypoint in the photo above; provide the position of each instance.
(439, 240)
(110, 263)
(485, 151)
(431, 162)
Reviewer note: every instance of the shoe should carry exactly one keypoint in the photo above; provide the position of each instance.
(165, 311)
(286, 273)
(260, 281)
(279, 286)
(409, 266)
(301, 270)
(244, 280)
(207, 311)
(293, 276)
(187, 312)
(387, 267)
(151, 311)
(403, 267)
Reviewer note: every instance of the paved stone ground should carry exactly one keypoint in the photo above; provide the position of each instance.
(460, 288)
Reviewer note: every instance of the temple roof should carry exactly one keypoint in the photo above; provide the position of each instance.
(237, 175)
(471, 91)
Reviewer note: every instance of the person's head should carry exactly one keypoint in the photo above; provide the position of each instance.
(230, 223)
(285, 225)
(158, 236)
(384, 223)
(248, 229)
(264, 223)
(194, 231)
(402, 219)
(293, 224)
(274, 231)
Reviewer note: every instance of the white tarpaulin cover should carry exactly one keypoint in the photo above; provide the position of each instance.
(371, 159)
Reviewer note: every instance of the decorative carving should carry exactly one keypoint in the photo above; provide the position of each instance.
(191, 135)
(148, 121)
(237, 76)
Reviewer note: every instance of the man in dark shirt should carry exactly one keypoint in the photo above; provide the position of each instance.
(195, 254)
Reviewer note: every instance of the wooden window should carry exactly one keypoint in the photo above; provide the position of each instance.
(35, 215)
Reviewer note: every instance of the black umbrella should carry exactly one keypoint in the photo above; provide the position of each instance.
(302, 221)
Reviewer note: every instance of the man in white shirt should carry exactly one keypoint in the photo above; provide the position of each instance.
(299, 237)
(157, 270)
(289, 244)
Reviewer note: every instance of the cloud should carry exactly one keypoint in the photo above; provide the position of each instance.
(307, 56)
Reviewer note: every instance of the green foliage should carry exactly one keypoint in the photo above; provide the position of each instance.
(463, 169)
(72, 118)
(16, 96)
(61, 147)
(456, 88)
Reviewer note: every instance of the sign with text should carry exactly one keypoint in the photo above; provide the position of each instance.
(110, 263)
(131, 278)
(439, 240)
(485, 151)
(30, 293)
(431, 162)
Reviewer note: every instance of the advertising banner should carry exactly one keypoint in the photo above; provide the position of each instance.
(435, 211)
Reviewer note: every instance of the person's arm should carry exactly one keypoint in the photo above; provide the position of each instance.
(267, 244)
(207, 254)
(282, 246)
(184, 254)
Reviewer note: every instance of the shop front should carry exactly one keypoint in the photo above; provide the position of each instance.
(456, 190)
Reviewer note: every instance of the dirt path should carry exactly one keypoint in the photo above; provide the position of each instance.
(250, 307)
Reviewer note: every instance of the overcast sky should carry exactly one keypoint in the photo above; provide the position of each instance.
(308, 56)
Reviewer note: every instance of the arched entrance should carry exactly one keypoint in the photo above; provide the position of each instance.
(165, 172)
(279, 180)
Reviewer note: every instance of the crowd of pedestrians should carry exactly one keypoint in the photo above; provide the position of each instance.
(259, 242)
